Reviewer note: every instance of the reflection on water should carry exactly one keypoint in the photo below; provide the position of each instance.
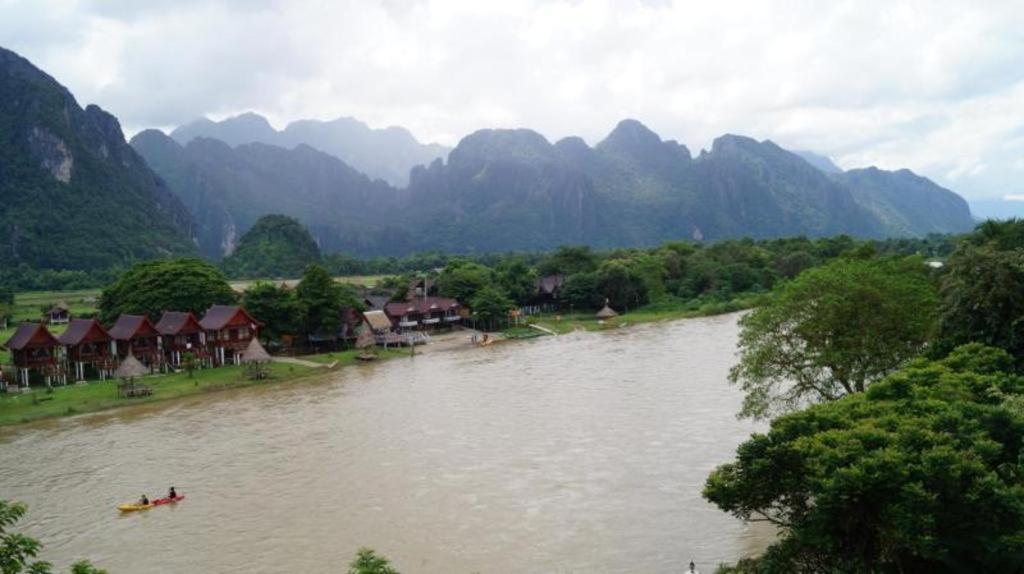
(581, 453)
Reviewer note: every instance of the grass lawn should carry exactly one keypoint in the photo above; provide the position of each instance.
(96, 396)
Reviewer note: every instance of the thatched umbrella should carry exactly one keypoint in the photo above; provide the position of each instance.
(130, 368)
(255, 353)
(606, 312)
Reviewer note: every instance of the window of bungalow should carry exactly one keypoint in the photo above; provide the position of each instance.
(39, 353)
(243, 333)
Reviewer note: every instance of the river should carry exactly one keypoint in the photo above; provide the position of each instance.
(579, 453)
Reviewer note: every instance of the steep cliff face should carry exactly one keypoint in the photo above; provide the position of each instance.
(74, 194)
(227, 189)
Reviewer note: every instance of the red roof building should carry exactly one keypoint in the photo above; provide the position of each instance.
(229, 329)
(136, 335)
(424, 313)
(87, 343)
(33, 347)
(182, 333)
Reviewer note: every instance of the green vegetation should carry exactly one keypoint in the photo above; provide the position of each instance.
(321, 301)
(152, 287)
(18, 552)
(905, 464)
(369, 562)
(920, 473)
(833, 331)
(276, 246)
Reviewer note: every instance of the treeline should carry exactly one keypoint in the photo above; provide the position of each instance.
(895, 391)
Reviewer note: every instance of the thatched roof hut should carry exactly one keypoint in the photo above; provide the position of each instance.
(255, 353)
(130, 368)
(606, 312)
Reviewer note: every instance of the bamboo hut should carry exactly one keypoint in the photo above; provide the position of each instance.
(255, 353)
(606, 312)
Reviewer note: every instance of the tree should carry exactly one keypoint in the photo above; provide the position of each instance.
(622, 286)
(461, 280)
(580, 291)
(189, 361)
(983, 298)
(569, 260)
(491, 305)
(369, 562)
(920, 473)
(17, 551)
(152, 287)
(275, 306)
(833, 331)
(320, 300)
(516, 279)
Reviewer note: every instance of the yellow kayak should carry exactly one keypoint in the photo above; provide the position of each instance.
(134, 507)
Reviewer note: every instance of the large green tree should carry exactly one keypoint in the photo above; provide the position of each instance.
(461, 280)
(517, 280)
(321, 300)
(276, 306)
(152, 287)
(569, 260)
(621, 285)
(921, 473)
(833, 331)
(983, 292)
(490, 305)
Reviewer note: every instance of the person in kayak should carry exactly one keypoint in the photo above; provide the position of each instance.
(144, 501)
(171, 494)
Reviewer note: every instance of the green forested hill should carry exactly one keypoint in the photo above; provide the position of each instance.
(276, 246)
(73, 194)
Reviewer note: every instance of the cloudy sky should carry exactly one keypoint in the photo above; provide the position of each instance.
(934, 86)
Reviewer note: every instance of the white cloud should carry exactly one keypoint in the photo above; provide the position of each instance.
(933, 86)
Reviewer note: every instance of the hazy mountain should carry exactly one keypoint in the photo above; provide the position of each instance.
(824, 163)
(513, 190)
(74, 194)
(386, 154)
(228, 189)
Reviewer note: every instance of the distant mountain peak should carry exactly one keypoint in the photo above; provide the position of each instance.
(632, 139)
(822, 162)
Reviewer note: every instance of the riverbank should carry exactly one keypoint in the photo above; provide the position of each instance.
(666, 310)
(98, 396)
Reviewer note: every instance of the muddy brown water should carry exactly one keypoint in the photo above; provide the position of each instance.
(579, 453)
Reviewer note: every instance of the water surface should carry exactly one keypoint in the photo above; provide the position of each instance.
(579, 453)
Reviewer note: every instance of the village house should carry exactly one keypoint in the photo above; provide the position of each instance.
(34, 348)
(136, 335)
(549, 291)
(59, 314)
(87, 344)
(427, 313)
(229, 329)
(181, 333)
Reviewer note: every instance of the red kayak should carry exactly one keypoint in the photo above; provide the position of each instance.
(167, 500)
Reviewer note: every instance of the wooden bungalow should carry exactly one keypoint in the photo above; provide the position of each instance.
(549, 291)
(427, 313)
(136, 335)
(229, 329)
(181, 333)
(59, 314)
(34, 348)
(87, 344)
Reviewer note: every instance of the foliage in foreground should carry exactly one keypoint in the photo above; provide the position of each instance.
(832, 331)
(165, 285)
(369, 562)
(923, 472)
(18, 552)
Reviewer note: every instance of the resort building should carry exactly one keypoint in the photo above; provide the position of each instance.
(427, 313)
(181, 333)
(549, 291)
(87, 344)
(59, 314)
(34, 348)
(136, 335)
(229, 329)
